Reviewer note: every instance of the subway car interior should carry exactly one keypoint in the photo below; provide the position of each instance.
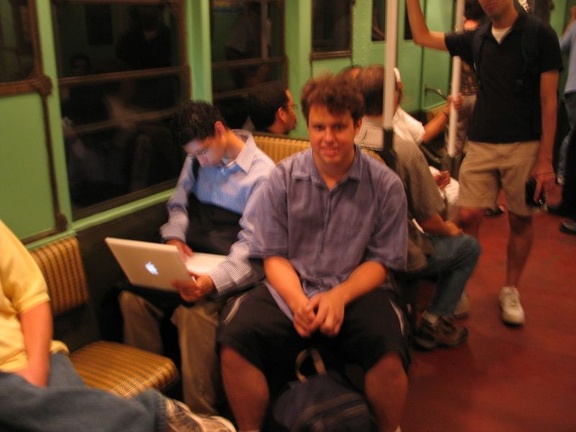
(86, 151)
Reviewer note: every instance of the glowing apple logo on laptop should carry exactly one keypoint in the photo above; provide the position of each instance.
(151, 268)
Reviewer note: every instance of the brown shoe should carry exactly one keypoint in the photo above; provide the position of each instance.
(441, 334)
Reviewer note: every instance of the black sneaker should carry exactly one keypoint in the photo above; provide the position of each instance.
(442, 334)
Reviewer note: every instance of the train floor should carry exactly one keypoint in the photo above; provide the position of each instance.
(504, 378)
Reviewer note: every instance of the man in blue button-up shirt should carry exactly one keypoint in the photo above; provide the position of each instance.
(221, 175)
(331, 223)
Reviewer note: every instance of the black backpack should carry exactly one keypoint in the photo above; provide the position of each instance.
(325, 402)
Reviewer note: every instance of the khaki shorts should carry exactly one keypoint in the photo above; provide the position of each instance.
(487, 168)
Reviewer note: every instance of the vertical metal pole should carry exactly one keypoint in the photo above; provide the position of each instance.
(390, 62)
(455, 85)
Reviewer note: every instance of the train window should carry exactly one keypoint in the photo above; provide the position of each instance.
(122, 69)
(20, 67)
(247, 50)
(378, 20)
(331, 28)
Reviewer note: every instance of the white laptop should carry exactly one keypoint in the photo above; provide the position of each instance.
(154, 265)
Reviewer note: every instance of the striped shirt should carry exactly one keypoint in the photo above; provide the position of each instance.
(423, 196)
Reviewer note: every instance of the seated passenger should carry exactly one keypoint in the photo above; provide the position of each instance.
(41, 391)
(436, 247)
(221, 174)
(271, 109)
(326, 278)
(409, 128)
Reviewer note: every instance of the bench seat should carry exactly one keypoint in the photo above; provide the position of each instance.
(111, 366)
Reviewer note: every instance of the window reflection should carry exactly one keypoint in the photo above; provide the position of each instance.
(245, 41)
(247, 50)
(378, 20)
(16, 45)
(114, 146)
(120, 80)
(331, 25)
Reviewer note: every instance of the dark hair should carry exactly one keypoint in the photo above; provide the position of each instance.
(473, 10)
(194, 120)
(370, 82)
(338, 93)
(263, 103)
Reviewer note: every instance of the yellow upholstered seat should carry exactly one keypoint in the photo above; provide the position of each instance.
(122, 369)
(278, 147)
(110, 366)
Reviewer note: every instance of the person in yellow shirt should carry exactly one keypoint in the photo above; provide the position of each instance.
(39, 388)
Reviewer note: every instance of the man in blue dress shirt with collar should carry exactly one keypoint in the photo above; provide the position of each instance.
(220, 177)
(331, 223)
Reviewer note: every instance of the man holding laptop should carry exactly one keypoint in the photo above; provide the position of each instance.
(220, 176)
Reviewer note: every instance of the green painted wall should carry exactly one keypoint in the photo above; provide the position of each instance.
(364, 52)
(26, 203)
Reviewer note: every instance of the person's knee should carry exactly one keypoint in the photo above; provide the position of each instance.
(230, 359)
(470, 215)
(388, 371)
(135, 308)
(392, 365)
(469, 219)
(203, 315)
(470, 247)
(129, 302)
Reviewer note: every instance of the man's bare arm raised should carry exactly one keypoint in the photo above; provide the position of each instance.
(422, 35)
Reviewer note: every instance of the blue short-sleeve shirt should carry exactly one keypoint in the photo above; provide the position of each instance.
(327, 233)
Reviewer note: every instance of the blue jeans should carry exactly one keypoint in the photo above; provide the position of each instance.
(67, 405)
(570, 104)
(451, 263)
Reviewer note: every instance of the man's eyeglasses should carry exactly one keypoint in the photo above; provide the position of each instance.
(199, 151)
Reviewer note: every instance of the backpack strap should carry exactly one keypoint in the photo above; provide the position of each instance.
(319, 366)
(477, 44)
(528, 46)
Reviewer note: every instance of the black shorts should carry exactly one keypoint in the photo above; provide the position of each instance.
(254, 326)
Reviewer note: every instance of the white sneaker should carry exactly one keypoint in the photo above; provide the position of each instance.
(512, 312)
(181, 419)
(463, 307)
